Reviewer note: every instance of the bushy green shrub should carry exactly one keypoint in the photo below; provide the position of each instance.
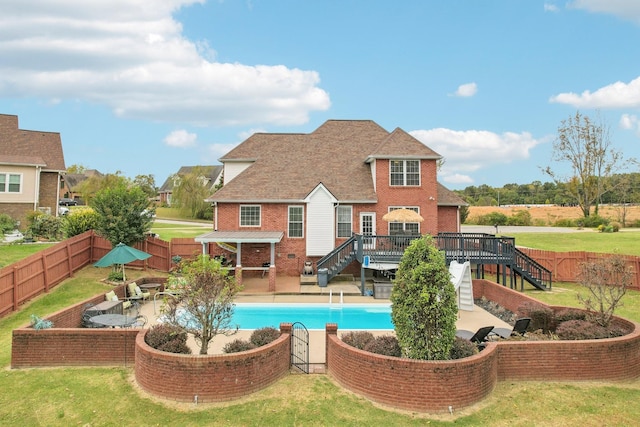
(593, 221)
(565, 222)
(169, 338)
(462, 348)
(615, 226)
(520, 218)
(386, 345)
(237, 346)
(78, 221)
(264, 336)
(46, 227)
(493, 218)
(357, 339)
(7, 224)
(542, 317)
(115, 276)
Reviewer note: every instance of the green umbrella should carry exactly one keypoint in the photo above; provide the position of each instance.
(121, 255)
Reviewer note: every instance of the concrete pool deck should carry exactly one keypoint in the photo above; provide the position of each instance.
(467, 320)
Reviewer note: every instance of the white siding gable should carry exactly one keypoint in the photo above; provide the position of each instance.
(233, 169)
(320, 221)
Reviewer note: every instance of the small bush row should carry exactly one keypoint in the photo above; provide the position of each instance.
(387, 345)
(258, 338)
(169, 338)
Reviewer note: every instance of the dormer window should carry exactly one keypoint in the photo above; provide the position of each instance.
(404, 173)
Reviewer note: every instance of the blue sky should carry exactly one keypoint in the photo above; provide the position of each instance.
(144, 87)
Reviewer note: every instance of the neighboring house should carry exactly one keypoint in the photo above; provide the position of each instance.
(211, 177)
(71, 183)
(291, 198)
(31, 169)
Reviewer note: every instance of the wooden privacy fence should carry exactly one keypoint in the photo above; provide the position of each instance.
(36, 274)
(564, 266)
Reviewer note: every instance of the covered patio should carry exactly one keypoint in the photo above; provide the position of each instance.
(227, 240)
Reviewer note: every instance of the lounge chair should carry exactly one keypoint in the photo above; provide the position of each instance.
(520, 328)
(479, 337)
(135, 293)
(111, 296)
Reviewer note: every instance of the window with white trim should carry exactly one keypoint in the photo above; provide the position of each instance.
(249, 215)
(296, 221)
(344, 222)
(10, 182)
(404, 172)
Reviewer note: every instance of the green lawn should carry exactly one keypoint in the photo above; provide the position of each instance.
(10, 253)
(627, 243)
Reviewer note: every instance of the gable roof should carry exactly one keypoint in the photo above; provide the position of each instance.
(447, 197)
(74, 179)
(286, 167)
(27, 147)
(212, 172)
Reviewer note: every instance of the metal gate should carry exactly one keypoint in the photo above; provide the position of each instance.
(300, 347)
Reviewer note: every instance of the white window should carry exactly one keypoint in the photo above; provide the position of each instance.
(404, 172)
(344, 223)
(10, 183)
(249, 215)
(296, 222)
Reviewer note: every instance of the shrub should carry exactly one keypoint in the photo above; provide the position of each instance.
(593, 221)
(462, 348)
(520, 218)
(565, 222)
(615, 226)
(78, 221)
(386, 345)
(581, 330)
(264, 336)
(7, 224)
(237, 346)
(166, 337)
(357, 339)
(37, 323)
(46, 227)
(542, 317)
(115, 276)
(493, 218)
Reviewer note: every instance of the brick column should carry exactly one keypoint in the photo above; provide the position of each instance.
(272, 278)
(239, 275)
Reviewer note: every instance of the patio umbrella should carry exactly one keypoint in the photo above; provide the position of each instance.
(402, 215)
(121, 255)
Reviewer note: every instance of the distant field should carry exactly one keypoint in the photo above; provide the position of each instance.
(548, 215)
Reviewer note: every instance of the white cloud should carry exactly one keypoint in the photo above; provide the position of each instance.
(470, 151)
(466, 90)
(616, 95)
(247, 133)
(131, 56)
(548, 7)
(625, 9)
(630, 122)
(215, 151)
(455, 178)
(181, 139)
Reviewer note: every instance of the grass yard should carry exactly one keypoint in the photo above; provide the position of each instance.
(170, 231)
(626, 243)
(10, 253)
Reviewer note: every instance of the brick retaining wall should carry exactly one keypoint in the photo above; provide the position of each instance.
(212, 378)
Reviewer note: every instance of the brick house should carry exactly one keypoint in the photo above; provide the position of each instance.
(211, 177)
(31, 169)
(291, 198)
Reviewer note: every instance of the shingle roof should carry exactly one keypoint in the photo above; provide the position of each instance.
(45, 147)
(287, 167)
(447, 197)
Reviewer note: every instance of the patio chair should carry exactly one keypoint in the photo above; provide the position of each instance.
(135, 293)
(141, 321)
(520, 328)
(87, 315)
(111, 296)
(479, 337)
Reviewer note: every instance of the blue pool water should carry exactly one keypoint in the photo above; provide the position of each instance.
(313, 316)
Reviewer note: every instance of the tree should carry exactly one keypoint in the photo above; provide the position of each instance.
(586, 146)
(606, 280)
(190, 191)
(147, 183)
(76, 168)
(206, 295)
(95, 183)
(121, 214)
(424, 309)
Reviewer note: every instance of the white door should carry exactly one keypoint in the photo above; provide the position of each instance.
(368, 228)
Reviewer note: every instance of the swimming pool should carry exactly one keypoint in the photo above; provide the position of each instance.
(313, 316)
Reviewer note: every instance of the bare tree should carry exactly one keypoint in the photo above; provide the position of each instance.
(585, 144)
(607, 280)
(203, 303)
